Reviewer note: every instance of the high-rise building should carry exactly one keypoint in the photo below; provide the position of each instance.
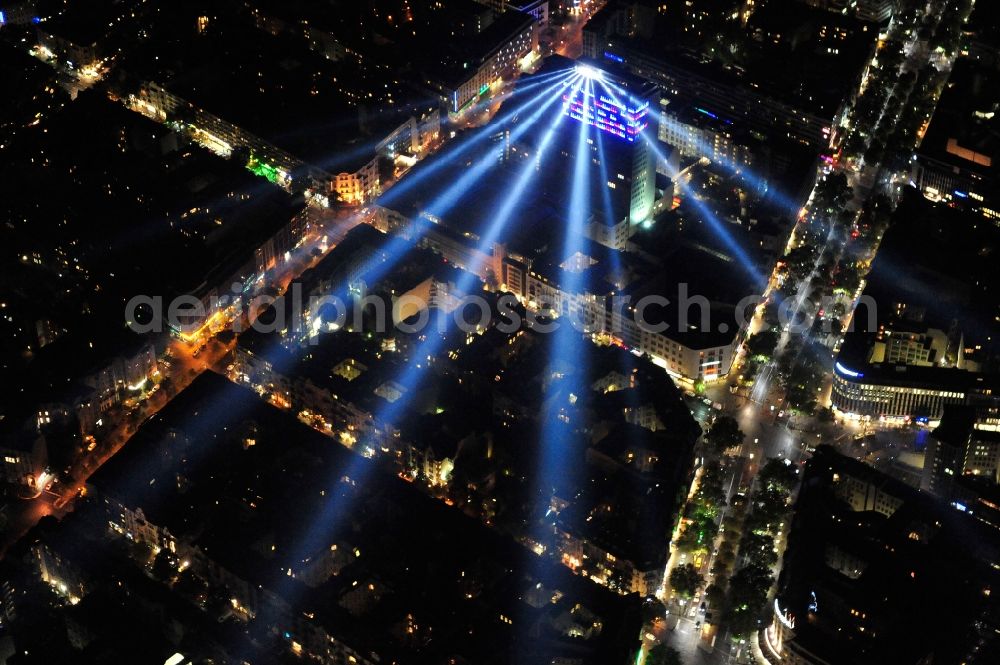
(966, 443)
(618, 106)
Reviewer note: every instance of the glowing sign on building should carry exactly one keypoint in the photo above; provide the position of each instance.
(847, 372)
(624, 119)
(786, 618)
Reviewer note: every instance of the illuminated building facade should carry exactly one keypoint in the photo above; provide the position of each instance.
(538, 9)
(617, 106)
(697, 132)
(82, 55)
(691, 356)
(505, 43)
(353, 187)
(966, 443)
(247, 99)
(23, 459)
(955, 162)
(623, 118)
(123, 373)
(760, 112)
(906, 372)
(899, 392)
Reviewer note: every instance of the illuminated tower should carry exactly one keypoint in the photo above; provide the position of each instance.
(609, 109)
(618, 107)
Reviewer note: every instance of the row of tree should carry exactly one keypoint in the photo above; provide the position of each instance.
(701, 512)
(747, 593)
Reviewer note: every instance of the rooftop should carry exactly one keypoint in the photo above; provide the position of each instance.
(146, 214)
(870, 576)
(275, 88)
(939, 263)
(815, 71)
(253, 510)
(964, 129)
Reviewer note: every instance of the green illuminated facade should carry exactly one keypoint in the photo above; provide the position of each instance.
(264, 170)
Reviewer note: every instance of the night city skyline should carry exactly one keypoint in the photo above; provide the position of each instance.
(499, 332)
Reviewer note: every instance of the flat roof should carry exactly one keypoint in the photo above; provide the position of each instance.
(941, 262)
(853, 358)
(965, 129)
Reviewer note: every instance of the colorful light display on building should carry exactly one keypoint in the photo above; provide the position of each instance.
(624, 119)
(265, 170)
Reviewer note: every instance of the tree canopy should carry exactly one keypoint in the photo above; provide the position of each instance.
(724, 433)
(661, 654)
(762, 343)
(685, 580)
